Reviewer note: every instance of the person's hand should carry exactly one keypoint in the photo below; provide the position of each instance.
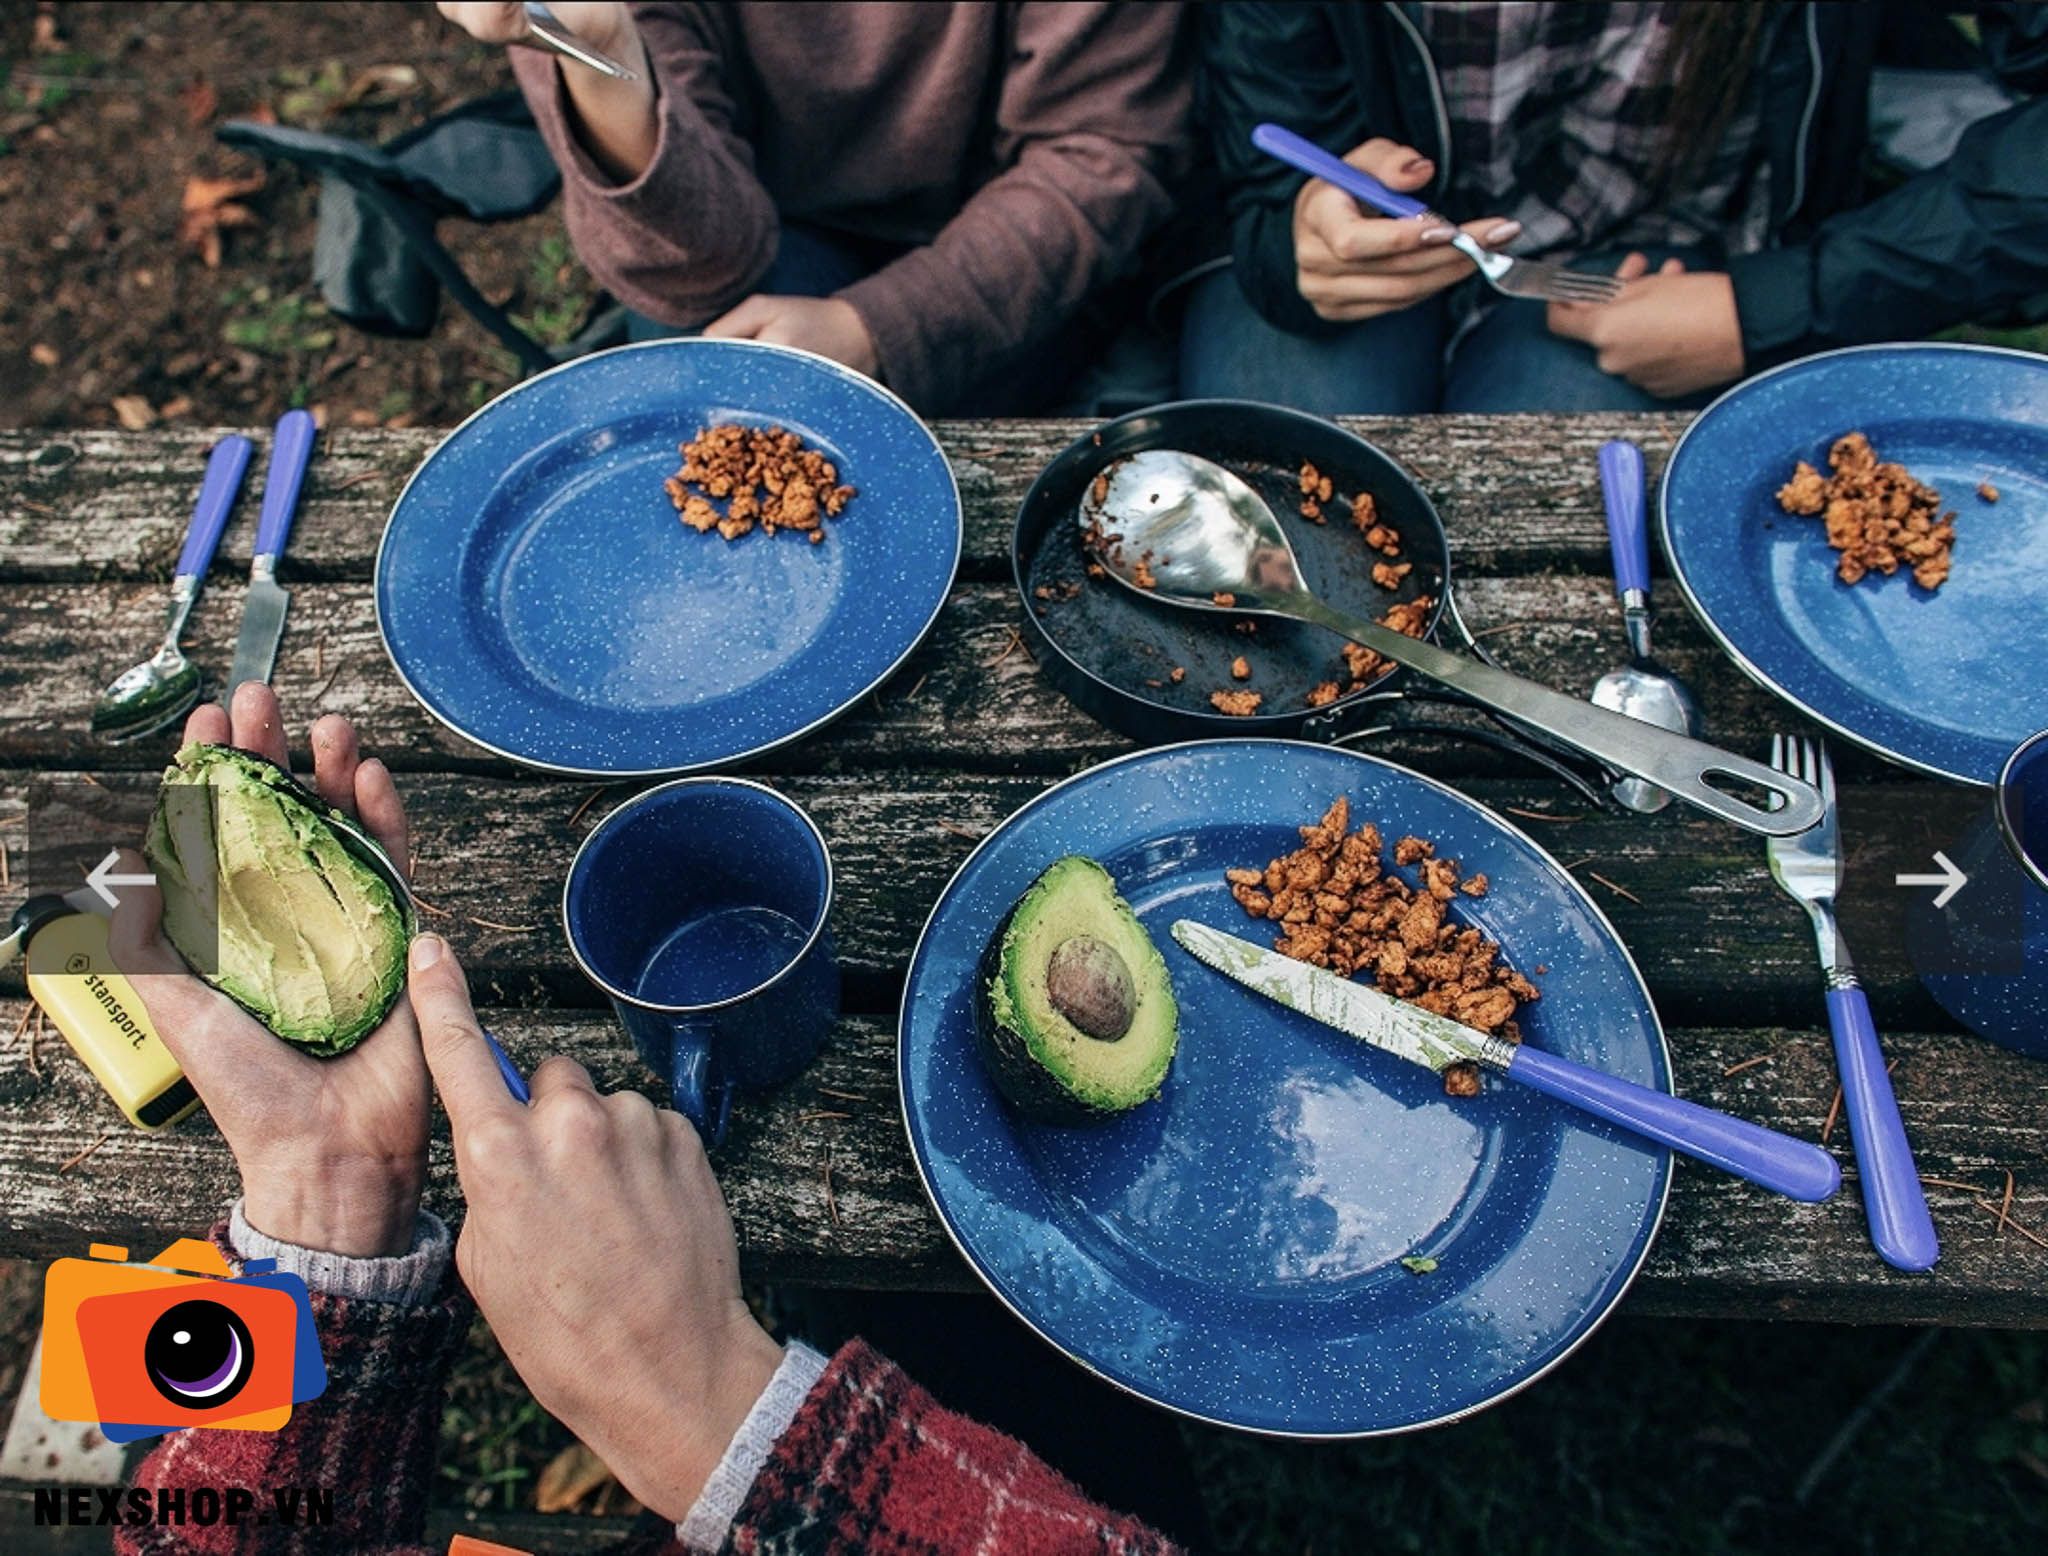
(332, 1152)
(600, 1251)
(1669, 334)
(1351, 263)
(827, 325)
(605, 27)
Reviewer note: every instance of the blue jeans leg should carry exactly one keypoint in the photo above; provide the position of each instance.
(1509, 361)
(808, 263)
(1383, 366)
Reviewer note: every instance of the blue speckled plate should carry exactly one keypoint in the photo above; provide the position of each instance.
(1947, 682)
(1232, 1251)
(538, 594)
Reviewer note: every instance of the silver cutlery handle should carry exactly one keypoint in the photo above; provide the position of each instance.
(1672, 762)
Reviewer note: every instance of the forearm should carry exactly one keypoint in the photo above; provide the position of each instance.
(870, 1461)
(1957, 243)
(368, 1441)
(658, 189)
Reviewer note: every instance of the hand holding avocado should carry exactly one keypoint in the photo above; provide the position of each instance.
(332, 1152)
(598, 1246)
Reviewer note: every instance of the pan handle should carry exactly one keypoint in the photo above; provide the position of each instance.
(1674, 762)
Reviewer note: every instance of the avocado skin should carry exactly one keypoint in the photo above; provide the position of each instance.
(325, 1042)
(1023, 1081)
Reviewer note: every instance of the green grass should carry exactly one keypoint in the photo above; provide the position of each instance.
(276, 325)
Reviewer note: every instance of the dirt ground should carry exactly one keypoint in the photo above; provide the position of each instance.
(109, 311)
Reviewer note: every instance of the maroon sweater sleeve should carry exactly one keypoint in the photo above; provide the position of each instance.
(370, 1439)
(1092, 132)
(871, 1462)
(692, 234)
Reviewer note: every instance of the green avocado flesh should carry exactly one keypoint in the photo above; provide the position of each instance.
(1076, 1014)
(269, 899)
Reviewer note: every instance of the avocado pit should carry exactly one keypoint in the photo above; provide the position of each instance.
(1089, 984)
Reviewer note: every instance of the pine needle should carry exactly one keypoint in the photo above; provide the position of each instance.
(71, 1162)
(1747, 1064)
(1619, 891)
(1538, 815)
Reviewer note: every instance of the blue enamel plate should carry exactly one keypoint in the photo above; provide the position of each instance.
(539, 595)
(1233, 1250)
(1948, 682)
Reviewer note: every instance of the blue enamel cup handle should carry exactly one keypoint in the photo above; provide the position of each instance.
(514, 1081)
(289, 455)
(1893, 1201)
(225, 467)
(1763, 1156)
(1310, 158)
(1628, 529)
(700, 1091)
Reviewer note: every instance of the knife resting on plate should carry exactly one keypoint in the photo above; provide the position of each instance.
(1763, 1156)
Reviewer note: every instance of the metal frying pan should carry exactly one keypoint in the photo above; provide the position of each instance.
(1113, 655)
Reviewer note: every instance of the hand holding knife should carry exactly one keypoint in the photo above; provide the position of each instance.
(264, 611)
(1763, 1156)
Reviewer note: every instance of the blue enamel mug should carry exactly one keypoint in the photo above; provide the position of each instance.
(1984, 956)
(700, 907)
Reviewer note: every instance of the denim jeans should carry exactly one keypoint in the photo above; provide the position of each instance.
(1402, 363)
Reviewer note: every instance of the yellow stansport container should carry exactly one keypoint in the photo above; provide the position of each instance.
(71, 975)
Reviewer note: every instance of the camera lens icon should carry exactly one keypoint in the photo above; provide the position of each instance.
(198, 1354)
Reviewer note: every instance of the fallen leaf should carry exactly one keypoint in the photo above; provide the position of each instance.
(379, 83)
(133, 411)
(43, 354)
(172, 409)
(201, 101)
(570, 1476)
(210, 206)
(262, 113)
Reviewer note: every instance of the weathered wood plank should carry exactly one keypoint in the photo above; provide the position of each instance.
(1726, 1249)
(1517, 492)
(1711, 932)
(960, 701)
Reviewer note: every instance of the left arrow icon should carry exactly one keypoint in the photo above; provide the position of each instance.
(103, 878)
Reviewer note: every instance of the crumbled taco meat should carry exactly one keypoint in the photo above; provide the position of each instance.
(1878, 516)
(1177, 674)
(1339, 907)
(1388, 575)
(1238, 704)
(765, 476)
(1223, 598)
(1241, 668)
(1322, 694)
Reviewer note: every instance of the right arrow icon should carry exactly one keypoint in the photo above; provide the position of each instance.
(1951, 880)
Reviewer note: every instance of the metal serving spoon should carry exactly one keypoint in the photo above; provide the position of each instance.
(165, 687)
(1198, 531)
(1642, 688)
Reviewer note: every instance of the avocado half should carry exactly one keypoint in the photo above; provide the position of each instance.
(267, 893)
(1075, 1012)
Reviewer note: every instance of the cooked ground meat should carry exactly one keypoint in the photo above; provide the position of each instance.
(1241, 668)
(1238, 704)
(1339, 907)
(1877, 514)
(1987, 491)
(765, 476)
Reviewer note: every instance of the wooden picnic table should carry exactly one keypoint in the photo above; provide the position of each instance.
(819, 1175)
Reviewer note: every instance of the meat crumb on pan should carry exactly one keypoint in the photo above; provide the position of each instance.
(1388, 575)
(1238, 704)
(1223, 598)
(1178, 674)
(1339, 907)
(1322, 694)
(765, 476)
(1241, 668)
(1877, 514)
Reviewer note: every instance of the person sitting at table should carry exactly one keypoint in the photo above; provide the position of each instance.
(1712, 154)
(935, 195)
(597, 1245)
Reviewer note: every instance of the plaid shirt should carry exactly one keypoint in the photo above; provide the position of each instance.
(1557, 115)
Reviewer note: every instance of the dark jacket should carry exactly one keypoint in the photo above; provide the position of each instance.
(1967, 240)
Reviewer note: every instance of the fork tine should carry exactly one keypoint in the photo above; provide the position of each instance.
(1778, 753)
(1827, 773)
(1809, 769)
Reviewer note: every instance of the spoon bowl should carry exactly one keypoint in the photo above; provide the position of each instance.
(1183, 529)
